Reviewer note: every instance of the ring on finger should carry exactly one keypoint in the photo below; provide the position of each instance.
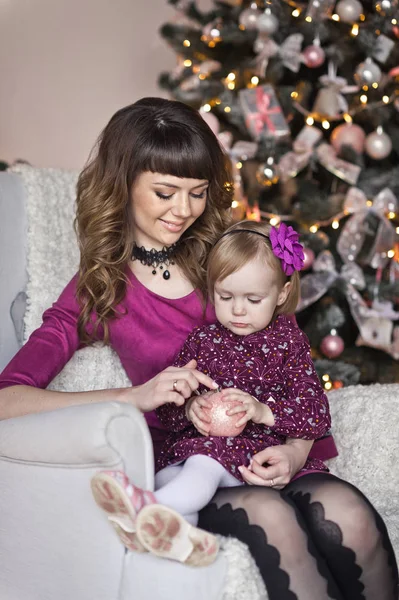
(271, 483)
(175, 386)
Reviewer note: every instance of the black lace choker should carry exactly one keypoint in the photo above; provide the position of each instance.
(155, 258)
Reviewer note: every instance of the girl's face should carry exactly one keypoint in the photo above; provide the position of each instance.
(164, 206)
(245, 301)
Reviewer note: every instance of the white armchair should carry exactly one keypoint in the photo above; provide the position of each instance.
(54, 542)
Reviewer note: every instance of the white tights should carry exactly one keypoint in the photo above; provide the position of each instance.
(189, 486)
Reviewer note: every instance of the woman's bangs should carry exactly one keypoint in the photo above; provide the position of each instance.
(182, 154)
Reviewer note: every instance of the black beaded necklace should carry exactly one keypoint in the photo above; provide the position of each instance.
(155, 258)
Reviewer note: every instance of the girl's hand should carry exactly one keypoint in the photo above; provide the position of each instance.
(254, 411)
(174, 384)
(277, 465)
(197, 411)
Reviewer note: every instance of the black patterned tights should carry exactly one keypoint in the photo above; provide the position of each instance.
(317, 539)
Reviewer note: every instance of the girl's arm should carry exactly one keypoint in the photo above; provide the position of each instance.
(301, 410)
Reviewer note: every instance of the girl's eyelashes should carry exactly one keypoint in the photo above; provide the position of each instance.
(226, 298)
(163, 196)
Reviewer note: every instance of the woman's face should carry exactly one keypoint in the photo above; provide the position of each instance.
(164, 206)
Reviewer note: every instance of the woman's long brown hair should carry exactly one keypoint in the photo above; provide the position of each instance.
(162, 136)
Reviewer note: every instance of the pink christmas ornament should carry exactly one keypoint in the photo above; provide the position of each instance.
(378, 144)
(249, 17)
(308, 258)
(349, 10)
(211, 121)
(348, 134)
(332, 346)
(221, 423)
(313, 56)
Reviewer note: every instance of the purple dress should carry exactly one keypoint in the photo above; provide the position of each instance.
(275, 366)
(147, 339)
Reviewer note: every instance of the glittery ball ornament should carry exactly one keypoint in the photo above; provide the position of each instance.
(267, 173)
(267, 23)
(349, 10)
(249, 17)
(386, 7)
(378, 144)
(348, 134)
(308, 260)
(368, 72)
(332, 346)
(313, 56)
(221, 423)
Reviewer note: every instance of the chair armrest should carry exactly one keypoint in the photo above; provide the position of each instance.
(92, 435)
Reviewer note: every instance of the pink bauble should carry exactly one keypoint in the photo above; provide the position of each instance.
(309, 258)
(211, 121)
(313, 56)
(378, 145)
(348, 134)
(221, 423)
(332, 346)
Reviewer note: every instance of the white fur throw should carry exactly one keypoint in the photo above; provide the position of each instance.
(365, 419)
(53, 259)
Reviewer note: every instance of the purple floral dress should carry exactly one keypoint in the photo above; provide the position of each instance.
(275, 366)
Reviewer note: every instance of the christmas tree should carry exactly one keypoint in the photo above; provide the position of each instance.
(304, 97)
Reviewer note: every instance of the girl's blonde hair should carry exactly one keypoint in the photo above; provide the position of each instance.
(161, 136)
(232, 252)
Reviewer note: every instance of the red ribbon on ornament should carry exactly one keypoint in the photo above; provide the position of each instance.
(261, 118)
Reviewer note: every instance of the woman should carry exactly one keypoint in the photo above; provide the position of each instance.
(151, 203)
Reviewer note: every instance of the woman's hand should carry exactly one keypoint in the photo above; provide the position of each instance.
(197, 411)
(174, 384)
(276, 466)
(254, 411)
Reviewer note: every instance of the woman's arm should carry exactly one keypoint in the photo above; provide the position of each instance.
(19, 400)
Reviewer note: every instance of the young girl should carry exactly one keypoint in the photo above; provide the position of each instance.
(261, 360)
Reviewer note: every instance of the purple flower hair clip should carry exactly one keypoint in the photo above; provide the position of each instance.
(286, 246)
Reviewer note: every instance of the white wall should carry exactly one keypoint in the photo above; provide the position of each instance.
(67, 65)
